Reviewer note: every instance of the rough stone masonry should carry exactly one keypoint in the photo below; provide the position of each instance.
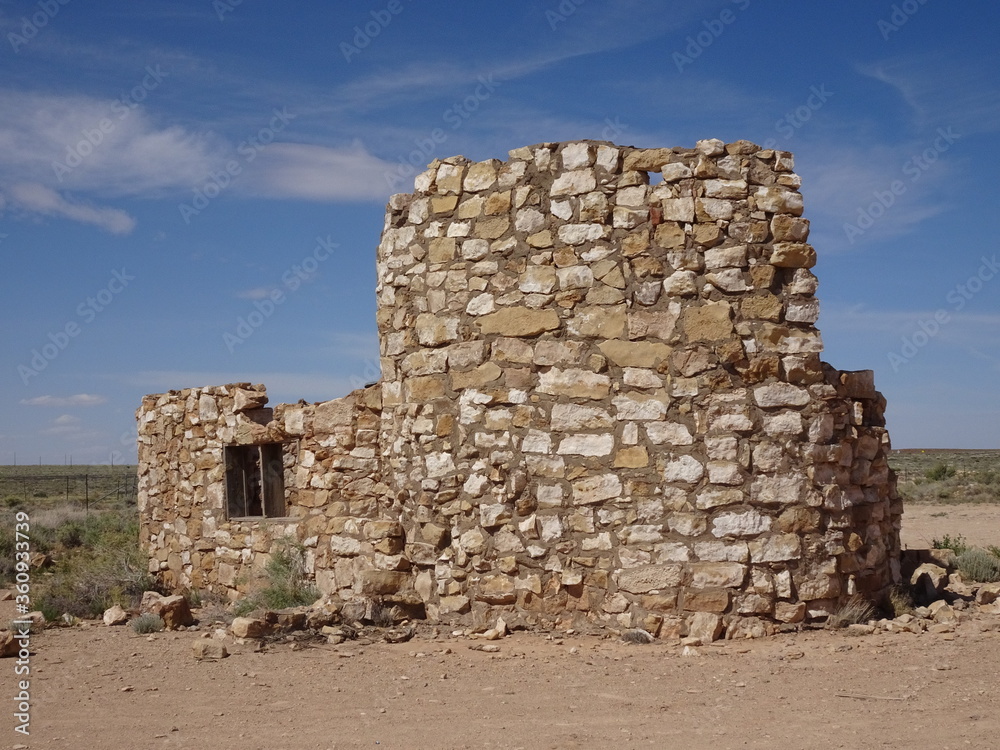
(602, 400)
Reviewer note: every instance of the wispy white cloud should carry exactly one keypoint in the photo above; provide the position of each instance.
(842, 181)
(38, 199)
(65, 425)
(318, 173)
(941, 91)
(79, 399)
(51, 145)
(59, 141)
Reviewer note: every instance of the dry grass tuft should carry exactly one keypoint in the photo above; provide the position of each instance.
(857, 610)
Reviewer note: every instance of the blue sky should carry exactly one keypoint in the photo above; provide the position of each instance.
(168, 168)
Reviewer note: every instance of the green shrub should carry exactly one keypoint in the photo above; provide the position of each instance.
(70, 534)
(285, 583)
(193, 598)
(940, 471)
(105, 568)
(147, 623)
(978, 565)
(957, 544)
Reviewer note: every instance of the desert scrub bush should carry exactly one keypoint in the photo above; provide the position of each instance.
(900, 601)
(147, 623)
(193, 597)
(978, 565)
(855, 610)
(7, 559)
(70, 534)
(382, 615)
(956, 544)
(285, 584)
(106, 567)
(940, 471)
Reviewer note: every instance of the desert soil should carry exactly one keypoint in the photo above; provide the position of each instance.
(95, 687)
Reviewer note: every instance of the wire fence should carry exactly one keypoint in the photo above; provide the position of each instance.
(20, 486)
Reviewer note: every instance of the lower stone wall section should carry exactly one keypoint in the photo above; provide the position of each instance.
(790, 553)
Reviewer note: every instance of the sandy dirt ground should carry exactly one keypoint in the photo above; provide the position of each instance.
(95, 687)
(978, 524)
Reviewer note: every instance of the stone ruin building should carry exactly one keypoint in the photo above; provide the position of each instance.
(601, 400)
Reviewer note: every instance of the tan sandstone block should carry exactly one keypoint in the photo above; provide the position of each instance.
(761, 307)
(793, 255)
(635, 353)
(519, 321)
(487, 372)
(598, 322)
(710, 322)
(635, 457)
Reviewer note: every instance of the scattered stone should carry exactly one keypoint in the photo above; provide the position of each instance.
(489, 648)
(928, 581)
(637, 635)
(988, 593)
(705, 626)
(399, 635)
(860, 629)
(497, 632)
(36, 618)
(246, 627)
(115, 616)
(942, 612)
(8, 644)
(209, 648)
(173, 610)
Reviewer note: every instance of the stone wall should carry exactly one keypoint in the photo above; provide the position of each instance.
(601, 398)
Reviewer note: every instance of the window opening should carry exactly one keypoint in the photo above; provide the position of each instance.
(255, 481)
